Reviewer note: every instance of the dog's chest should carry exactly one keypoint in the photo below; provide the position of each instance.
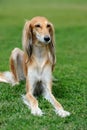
(41, 57)
(40, 70)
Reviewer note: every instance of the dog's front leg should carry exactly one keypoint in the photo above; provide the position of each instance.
(30, 100)
(58, 107)
(33, 104)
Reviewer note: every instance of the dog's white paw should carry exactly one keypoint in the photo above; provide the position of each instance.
(37, 112)
(14, 83)
(25, 101)
(62, 113)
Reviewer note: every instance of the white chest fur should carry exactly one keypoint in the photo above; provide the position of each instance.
(40, 70)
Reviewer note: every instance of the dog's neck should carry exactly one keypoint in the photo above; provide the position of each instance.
(40, 53)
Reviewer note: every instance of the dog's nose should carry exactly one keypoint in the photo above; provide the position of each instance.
(47, 38)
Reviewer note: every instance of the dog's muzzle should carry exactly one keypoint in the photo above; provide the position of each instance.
(43, 38)
(47, 38)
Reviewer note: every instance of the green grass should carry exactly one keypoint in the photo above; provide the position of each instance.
(70, 20)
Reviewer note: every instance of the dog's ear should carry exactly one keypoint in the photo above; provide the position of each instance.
(52, 46)
(27, 39)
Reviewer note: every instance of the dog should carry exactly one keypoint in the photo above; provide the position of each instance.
(35, 64)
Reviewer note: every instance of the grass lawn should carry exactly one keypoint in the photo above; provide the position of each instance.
(70, 20)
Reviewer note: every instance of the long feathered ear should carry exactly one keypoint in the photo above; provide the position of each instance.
(52, 47)
(27, 39)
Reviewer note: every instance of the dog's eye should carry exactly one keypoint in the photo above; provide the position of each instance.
(37, 26)
(48, 25)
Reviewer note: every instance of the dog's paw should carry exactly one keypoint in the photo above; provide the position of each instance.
(62, 113)
(25, 101)
(37, 112)
(14, 83)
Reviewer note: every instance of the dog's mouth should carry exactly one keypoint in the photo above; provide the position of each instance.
(43, 39)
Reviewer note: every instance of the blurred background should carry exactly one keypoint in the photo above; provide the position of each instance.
(60, 12)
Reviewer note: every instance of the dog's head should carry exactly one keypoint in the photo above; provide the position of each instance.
(41, 32)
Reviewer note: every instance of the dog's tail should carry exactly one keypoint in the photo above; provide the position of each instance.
(8, 77)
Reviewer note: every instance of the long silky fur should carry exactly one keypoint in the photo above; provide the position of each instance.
(27, 39)
(52, 47)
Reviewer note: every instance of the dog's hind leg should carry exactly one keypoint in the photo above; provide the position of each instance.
(7, 77)
(16, 68)
(16, 64)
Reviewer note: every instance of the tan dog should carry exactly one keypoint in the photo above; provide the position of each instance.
(36, 64)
